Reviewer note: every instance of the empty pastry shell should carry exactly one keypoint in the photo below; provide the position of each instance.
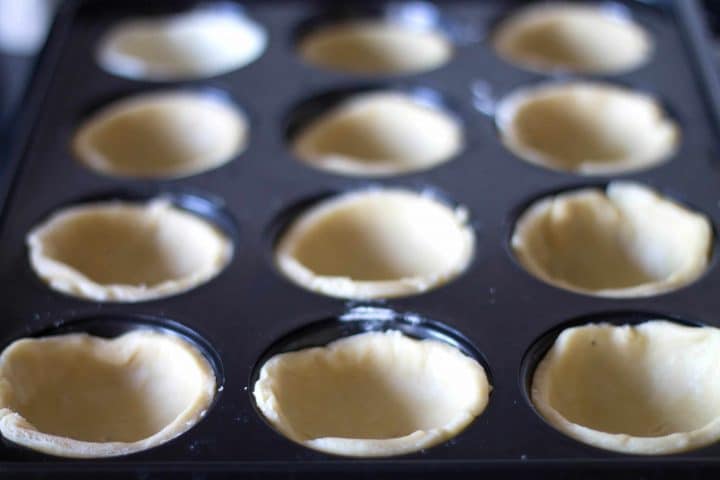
(376, 47)
(590, 39)
(161, 135)
(376, 244)
(646, 389)
(625, 242)
(587, 128)
(198, 44)
(379, 134)
(126, 252)
(372, 394)
(82, 396)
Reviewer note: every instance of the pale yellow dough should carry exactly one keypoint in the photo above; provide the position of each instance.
(379, 134)
(86, 397)
(198, 44)
(569, 37)
(126, 252)
(625, 242)
(587, 128)
(376, 47)
(373, 394)
(648, 389)
(167, 134)
(376, 244)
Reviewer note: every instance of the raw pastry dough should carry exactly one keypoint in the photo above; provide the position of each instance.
(376, 244)
(85, 397)
(126, 252)
(587, 128)
(571, 37)
(161, 135)
(379, 134)
(199, 44)
(626, 242)
(376, 47)
(373, 394)
(647, 389)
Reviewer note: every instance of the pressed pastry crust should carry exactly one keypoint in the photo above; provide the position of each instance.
(646, 389)
(625, 242)
(372, 394)
(587, 128)
(376, 47)
(167, 134)
(569, 37)
(81, 396)
(379, 134)
(193, 45)
(126, 252)
(376, 244)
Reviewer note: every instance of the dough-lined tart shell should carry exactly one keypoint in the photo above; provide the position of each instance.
(625, 242)
(646, 389)
(379, 134)
(376, 244)
(376, 48)
(568, 37)
(587, 128)
(82, 396)
(372, 394)
(168, 134)
(126, 252)
(193, 45)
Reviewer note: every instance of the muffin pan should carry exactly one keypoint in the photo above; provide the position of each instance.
(494, 311)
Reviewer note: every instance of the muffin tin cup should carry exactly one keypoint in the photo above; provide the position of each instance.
(495, 304)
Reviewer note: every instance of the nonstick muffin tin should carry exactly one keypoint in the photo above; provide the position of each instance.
(495, 311)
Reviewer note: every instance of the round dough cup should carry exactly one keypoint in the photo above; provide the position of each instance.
(375, 244)
(646, 389)
(373, 394)
(586, 128)
(126, 252)
(565, 37)
(625, 242)
(161, 135)
(83, 396)
(379, 134)
(376, 47)
(202, 43)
